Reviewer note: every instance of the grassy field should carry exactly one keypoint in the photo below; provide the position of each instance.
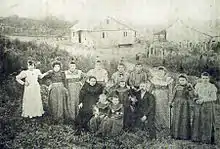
(17, 132)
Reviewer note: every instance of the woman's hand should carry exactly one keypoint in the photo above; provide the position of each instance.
(80, 105)
(199, 102)
(26, 83)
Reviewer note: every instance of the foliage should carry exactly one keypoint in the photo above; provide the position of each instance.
(17, 132)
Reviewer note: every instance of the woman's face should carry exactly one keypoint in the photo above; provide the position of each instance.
(31, 67)
(122, 84)
(72, 67)
(161, 73)
(115, 100)
(56, 68)
(182, 81)
(92, 81)
(205, 79)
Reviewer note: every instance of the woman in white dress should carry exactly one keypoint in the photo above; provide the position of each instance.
(32, 104)
(162, 90)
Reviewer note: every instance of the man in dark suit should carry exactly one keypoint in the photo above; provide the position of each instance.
(146, 109)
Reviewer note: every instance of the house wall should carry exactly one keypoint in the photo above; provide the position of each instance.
(114, 32)
(180, 33)
(105, 38)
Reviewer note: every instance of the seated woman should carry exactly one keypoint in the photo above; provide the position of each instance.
(88, 97)
(100, 113)
(113, 126)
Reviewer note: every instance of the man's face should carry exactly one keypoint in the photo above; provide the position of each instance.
(120, 68)
(98, 65)
(138, 67)
(72, 67)
(182, 81)
(145, 86)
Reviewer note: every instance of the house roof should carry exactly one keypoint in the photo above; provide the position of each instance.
(97, 25)
(207, 31)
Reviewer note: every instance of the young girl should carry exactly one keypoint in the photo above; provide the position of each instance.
(114, 124)
(100, 113)
(109, 88)
(123, 92)
(58, 94)
(32, 104)
(183, 92)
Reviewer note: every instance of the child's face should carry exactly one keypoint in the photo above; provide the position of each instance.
(138, 67)
(115, 100)
(122, 84)
(182, 81)
(102, 99)
(56, 68)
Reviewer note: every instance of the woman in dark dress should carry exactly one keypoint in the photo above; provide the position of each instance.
(88, 97)
(183, 92)
(58, 94)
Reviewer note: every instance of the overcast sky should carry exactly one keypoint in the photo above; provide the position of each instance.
(140, 11)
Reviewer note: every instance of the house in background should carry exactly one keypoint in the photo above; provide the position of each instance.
(179, 31)
(108, 32)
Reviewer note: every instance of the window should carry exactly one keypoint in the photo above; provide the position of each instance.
(125, 34)
(107, 21)
(103, 35)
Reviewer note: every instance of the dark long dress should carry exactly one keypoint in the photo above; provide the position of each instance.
(130, 116)
(96, 121)
(114, 124)
(88, 96)
(203, 126)
(58, 95)
(146, 106)
(181, 127)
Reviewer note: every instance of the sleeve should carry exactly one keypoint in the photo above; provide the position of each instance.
(82, 94)
(114, 77)
(130, 80)
(21, 75)
(39, 73)
(90, 72)
(173, 95)
(151, 106)
(212, 94)
(106, 76)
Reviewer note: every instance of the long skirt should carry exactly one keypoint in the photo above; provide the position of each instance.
(181, 127)
(112, 127)
(162, 109)
(58, 95)
(96, 124)
(203, 126)
(73, 100)
(32, 104)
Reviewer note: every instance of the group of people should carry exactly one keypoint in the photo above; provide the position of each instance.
(107, 106)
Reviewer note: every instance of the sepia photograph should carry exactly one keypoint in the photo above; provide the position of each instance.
(109, 74)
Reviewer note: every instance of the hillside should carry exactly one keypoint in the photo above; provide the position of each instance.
(15, 25)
